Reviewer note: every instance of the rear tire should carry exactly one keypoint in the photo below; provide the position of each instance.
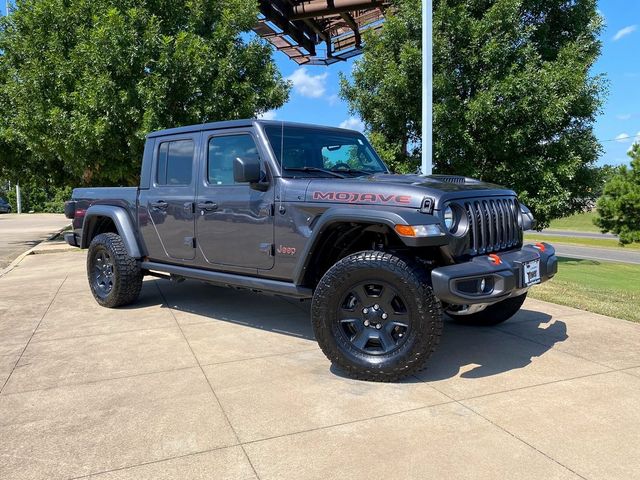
(375, 316)
(115, 278)
(494, 314)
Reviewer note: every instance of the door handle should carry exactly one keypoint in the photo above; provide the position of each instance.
(160, 204)
(208, 206)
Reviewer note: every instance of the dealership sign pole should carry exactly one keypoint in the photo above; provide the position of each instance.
(427, 87)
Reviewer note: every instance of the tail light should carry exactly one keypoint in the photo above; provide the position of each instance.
(70, 209)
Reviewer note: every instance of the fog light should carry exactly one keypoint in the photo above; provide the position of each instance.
(483, 284)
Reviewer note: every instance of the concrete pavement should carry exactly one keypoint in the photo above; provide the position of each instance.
(201, 382)
(19, 233)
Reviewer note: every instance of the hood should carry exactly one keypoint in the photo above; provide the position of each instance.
(400, 190)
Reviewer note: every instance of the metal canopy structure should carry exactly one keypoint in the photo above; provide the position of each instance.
(319, 32)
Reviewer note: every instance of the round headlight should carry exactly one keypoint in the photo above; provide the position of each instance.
(449, 219)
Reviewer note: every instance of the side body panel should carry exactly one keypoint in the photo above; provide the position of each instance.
(166, 211)
(234, 224)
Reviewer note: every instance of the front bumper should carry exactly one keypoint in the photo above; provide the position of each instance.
(459, 284)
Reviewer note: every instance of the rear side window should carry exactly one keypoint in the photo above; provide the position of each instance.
(175, 163)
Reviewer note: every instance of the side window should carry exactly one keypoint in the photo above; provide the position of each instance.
(175, 163)
(223, 151)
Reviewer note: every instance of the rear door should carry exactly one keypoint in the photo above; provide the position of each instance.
(168, 205)
(234, 221)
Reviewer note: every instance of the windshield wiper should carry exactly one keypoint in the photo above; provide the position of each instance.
(314, 169)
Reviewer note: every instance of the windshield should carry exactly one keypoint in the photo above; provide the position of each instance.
(312, 150)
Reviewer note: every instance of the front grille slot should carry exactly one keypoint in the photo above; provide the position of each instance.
(493, 224)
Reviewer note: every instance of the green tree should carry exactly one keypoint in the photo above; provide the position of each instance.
(514, 100)
(619, 206)
(83, 81)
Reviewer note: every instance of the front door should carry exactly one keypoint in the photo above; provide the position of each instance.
(234, 225)
(168, 204)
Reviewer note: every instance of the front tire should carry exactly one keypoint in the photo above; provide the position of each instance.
(494, 314)
(375, 316)
(115, 278)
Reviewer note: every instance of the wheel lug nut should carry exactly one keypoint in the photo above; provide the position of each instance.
(366, 323)
(385, 316)
(379, 326)
(365, 311)
(376, 306)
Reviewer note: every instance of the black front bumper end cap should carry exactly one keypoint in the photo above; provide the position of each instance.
(459, 284)
(71, 238)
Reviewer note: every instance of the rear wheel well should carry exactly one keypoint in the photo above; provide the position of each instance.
(98, 225)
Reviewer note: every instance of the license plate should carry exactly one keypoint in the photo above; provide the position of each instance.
(531, 272)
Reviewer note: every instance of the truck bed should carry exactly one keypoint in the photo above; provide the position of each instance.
(125, 197)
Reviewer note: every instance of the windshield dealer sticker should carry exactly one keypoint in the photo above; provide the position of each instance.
(352, 197)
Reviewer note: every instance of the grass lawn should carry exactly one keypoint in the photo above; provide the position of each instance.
(580, 241)
(607, 288)
(581, 222)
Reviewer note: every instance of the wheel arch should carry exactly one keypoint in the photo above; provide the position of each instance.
(108, 218)
(357, 222)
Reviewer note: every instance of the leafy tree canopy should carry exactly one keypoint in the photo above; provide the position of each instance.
(83, 81)
(619, 206)
(514, 100)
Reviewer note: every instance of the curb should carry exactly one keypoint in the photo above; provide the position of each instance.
(31, 251)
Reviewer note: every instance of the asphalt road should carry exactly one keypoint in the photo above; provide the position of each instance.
(591, 253)
(19, 233)
(567, 233)
(599, 254)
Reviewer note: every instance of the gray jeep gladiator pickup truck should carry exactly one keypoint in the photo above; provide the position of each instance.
(312, 212)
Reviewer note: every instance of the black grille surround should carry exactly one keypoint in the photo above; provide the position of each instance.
(492, 224)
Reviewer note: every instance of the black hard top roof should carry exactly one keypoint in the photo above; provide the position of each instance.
(235, 124)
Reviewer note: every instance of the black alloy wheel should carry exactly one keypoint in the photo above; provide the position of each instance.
(374, 318)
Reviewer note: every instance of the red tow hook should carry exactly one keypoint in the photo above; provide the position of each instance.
(495, 259)
(540, 246)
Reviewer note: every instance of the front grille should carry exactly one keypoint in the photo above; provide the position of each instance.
(493, 224)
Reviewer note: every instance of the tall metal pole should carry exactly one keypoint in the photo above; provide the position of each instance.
(18, 198)
(427, 87)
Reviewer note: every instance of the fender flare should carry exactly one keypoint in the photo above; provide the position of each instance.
(123, 224)
(387, 217)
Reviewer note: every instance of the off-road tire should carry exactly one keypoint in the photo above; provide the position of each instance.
(494, 314)
(423, 310)
(126, 279)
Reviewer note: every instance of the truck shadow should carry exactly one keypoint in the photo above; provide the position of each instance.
(473, 350)
(486, 351)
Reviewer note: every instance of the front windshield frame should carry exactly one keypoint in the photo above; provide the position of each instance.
(365, 152)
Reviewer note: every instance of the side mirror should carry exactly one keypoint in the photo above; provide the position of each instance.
(247, 169)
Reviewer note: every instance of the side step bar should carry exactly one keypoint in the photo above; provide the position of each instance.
(231, 280)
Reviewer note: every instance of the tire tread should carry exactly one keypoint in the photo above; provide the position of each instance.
(409, 273)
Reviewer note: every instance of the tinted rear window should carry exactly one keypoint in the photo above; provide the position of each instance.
(175, 163)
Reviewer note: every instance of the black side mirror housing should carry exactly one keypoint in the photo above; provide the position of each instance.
(247, 169)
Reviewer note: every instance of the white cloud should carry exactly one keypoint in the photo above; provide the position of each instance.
(268, 115)
(623, 32)
(623, 138)
(333, 99)
(307, 85)
(624, 116)
(353, 123)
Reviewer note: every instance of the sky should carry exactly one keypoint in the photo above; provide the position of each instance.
(314, 98)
